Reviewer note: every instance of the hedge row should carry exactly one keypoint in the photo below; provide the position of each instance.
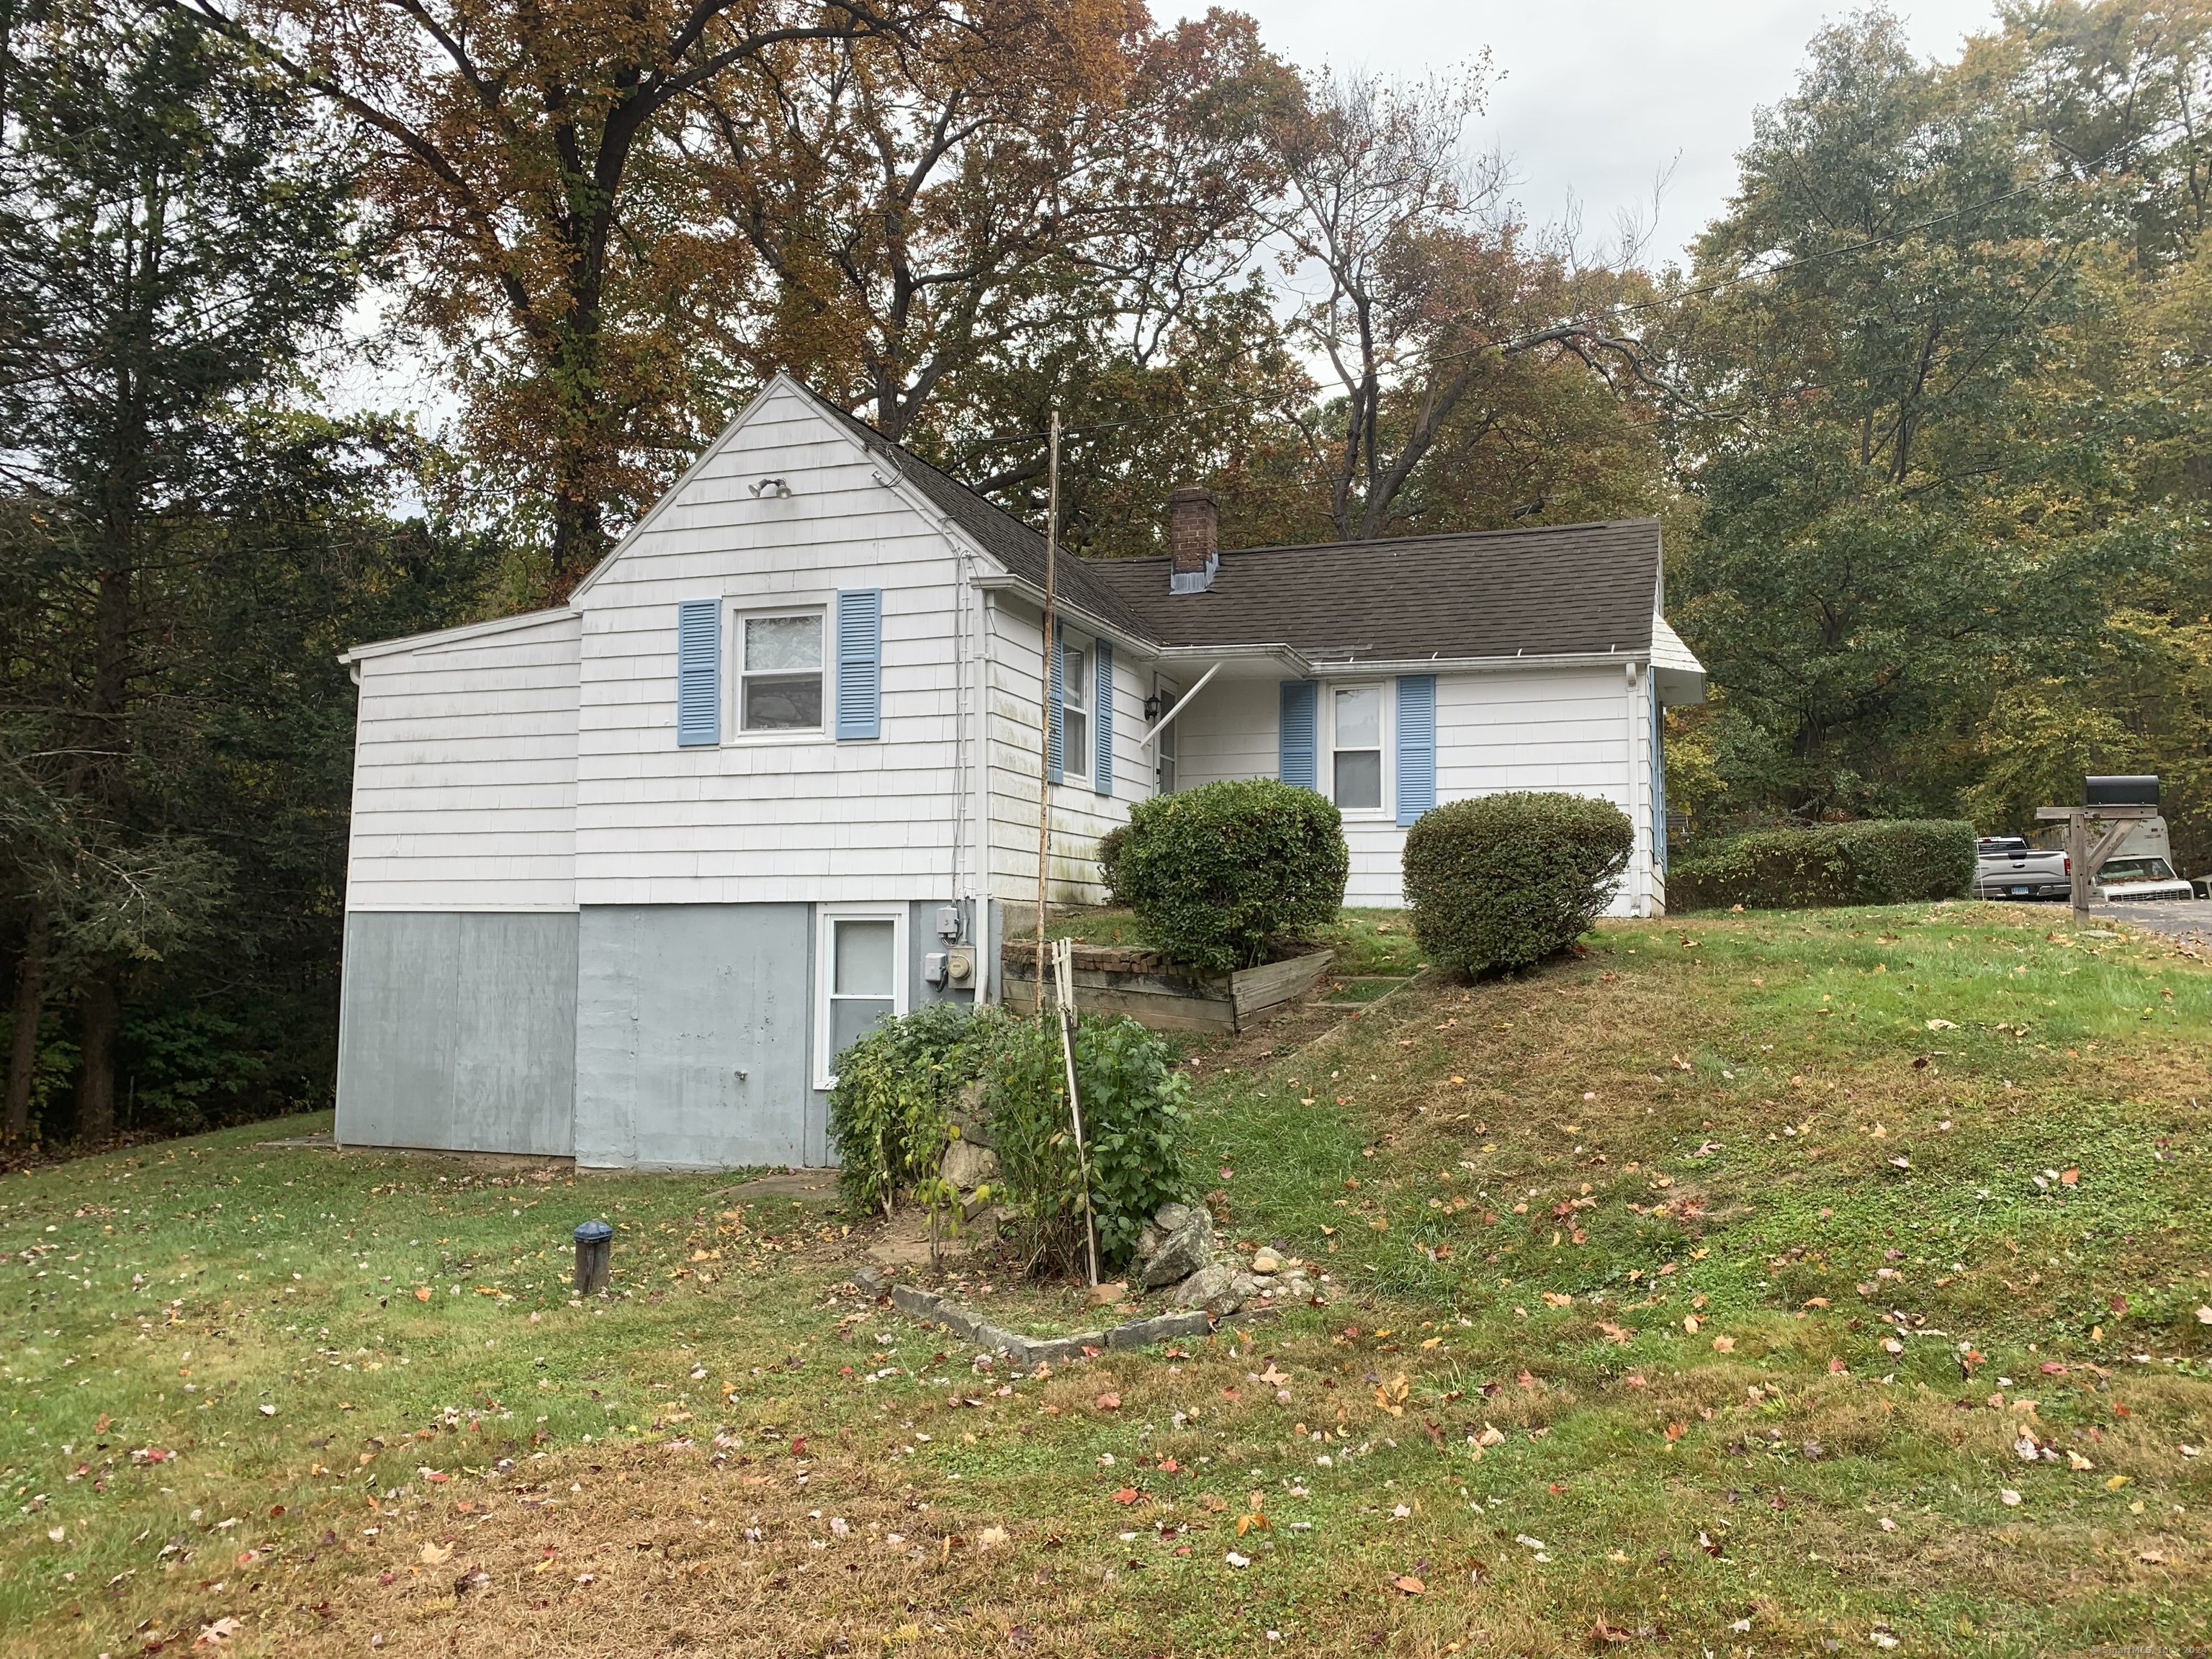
(1896, 861)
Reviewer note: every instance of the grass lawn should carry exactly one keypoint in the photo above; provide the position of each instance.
(1721, 1288)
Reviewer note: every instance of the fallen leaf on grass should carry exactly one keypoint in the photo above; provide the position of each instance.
(1238, 1561)
(2009, 1497)
(1127, 1495)
(1602, 1632)
(990, 1538)
(1557, 1299)
(436, 1555)
(1724, 1344)
(421, 1292)
(1409, 1584)
(1108, 1402)
(215, 1635)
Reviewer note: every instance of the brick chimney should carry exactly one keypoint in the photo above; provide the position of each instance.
(1193, 540)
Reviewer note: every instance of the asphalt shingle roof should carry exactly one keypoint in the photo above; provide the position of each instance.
(1563, 590)
(1555, 591)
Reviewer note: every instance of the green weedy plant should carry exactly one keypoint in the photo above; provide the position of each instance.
(1873, 861)
(1136, 1134)
(891, 1112)
(1214, 873)
(1505, 880)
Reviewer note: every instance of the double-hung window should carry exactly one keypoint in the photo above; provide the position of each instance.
(1075, 712)
(859, 981)
(780, 673)
(1356, 752)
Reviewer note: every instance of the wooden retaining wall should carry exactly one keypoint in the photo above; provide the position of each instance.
(1161, 996)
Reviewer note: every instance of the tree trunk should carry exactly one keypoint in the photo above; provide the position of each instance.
(30, 1005)
(95, 1090)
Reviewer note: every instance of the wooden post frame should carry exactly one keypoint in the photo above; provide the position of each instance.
(2082, 858)
(1064, 1006)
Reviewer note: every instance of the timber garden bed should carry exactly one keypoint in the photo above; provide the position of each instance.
(1164, 996)
(1361, 957)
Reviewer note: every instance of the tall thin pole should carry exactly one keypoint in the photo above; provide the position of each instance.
(1063, 962)
(1045, 660)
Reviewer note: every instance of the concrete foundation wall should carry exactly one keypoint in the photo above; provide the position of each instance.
(457, 1030)
(692, 1037)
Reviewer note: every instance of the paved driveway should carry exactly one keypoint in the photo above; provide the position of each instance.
(2184, 919)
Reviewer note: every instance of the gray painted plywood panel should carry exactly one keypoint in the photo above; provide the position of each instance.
(457, 1031)
(692, 1037)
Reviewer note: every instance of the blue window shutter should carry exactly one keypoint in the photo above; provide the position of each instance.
(860, 663)
(1299, 747)
(698, 673)
(1417, 745)
(1055, 762)
(1101, 713)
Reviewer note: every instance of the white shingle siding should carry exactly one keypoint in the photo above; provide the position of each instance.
(1577, 730)
(1079, 814)
(465, 774)
(758, 819)
(534, 764)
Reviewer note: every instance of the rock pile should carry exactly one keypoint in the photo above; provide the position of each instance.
(971, 1163)
(1177, 1249)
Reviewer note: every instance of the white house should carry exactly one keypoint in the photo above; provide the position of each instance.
(626, 875)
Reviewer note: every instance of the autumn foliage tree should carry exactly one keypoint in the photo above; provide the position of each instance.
(1460, 354)
(557, 239)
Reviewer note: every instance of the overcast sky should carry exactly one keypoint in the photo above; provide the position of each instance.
(1596, 97)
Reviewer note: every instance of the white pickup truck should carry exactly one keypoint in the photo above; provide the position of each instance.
(2142, 868)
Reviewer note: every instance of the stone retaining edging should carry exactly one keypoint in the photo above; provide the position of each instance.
(972, 1327)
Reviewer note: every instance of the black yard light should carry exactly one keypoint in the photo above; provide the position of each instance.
(594, 1244)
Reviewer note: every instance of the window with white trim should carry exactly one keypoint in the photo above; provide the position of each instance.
(1355, 747)
(860, 978)
(1075, 712)
(780, 673)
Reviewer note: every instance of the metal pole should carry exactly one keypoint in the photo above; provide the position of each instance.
(1063, 963)
(1047, 663)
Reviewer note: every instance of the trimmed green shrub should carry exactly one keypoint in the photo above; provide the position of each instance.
(1109, 860)
(891, 1112)
(1135, 1132)
(1876, 862)
(1502, 881)
(1214, 873)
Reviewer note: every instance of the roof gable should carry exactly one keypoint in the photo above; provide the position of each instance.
(1016, 546)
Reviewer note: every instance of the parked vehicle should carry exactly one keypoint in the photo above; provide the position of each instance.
(2128, 879)
(2010, 867)
(2007, 867)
